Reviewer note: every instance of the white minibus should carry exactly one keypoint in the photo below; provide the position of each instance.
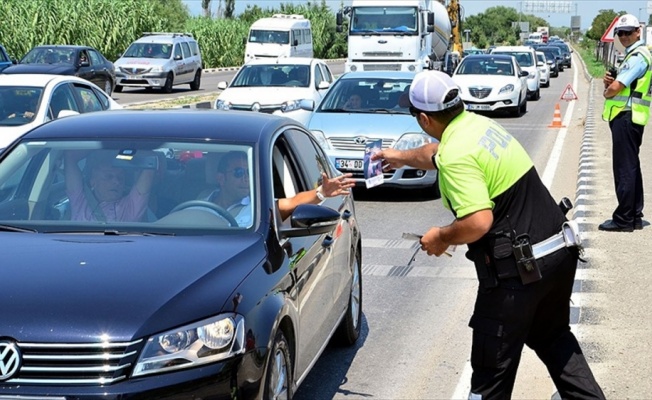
(281, 35)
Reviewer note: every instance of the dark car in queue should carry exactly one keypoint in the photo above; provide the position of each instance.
(82, 61)
(566, 53)
(181, 300)
(5, 59)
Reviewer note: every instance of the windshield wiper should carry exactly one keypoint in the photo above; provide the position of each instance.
(345, 110)
(385, 110)
(10, 228)
(113, 232)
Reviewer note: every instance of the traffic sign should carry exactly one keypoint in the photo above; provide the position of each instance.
(568, 94)
(608, 35)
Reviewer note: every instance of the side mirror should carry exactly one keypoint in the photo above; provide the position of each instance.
(540, 64)
(84, 64)
(339, 18)
(311, 219)
(177, 57)
(66, 113)
(524, 73)
(296, 42)
(244, 40)
(307, 104)
(323, 85)
(222, 85)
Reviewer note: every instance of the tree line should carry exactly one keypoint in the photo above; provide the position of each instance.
(111, 25)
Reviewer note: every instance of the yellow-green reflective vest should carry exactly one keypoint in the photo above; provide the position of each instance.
(640, 95)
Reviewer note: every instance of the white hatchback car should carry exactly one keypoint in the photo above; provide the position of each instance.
(544, 69)
(492, 82)
(29, 100)
(276, 86)
(527, 59)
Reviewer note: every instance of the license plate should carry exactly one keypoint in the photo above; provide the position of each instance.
(355, 165)
(480, 107)
(134, 76)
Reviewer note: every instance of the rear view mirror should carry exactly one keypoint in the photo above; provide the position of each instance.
(137, 160)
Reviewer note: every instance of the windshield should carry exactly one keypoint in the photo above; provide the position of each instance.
(273, 75)
(149, 50)
(365, 20)
(524, 58)
(485, 67)
(49, 55)
(144, 187)
(18, 104)
(269, 36)
(370, 95)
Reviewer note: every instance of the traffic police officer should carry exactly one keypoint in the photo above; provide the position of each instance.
(501, 209)
(627, 108)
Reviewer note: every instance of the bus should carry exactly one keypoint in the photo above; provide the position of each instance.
(282, 35)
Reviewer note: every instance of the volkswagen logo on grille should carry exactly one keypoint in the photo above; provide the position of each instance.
(360, 140)
(9, 360)
(255, 107)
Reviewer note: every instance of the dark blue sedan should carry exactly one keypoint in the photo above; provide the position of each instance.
(125, 277)
(82, 61)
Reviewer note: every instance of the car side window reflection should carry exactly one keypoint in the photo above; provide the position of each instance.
(313, 161)
(62, 99)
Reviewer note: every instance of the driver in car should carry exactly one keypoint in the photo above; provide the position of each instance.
(233, 192)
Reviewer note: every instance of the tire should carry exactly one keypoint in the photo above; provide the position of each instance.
(117, 89)
(194, 85)
(349, 330)
(524, 107)
(278, 378)
(167, 88)
(107, 87)
(536, 95)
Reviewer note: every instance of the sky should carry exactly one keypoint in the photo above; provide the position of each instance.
(586, 9)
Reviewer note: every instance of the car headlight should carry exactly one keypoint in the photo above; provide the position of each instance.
(321, 139)
(157, 69)
(207, 341)
(411, 141)
(506, 89)
(290, 105)
(222, 105)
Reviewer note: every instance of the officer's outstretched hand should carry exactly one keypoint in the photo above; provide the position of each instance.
(431, 242)
(393, 159)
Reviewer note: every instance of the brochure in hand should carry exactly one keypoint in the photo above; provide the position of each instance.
(373, 170)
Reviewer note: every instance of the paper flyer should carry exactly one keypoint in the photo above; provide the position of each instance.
(373, 170)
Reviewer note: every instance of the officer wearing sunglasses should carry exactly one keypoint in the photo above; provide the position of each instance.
(627, 109)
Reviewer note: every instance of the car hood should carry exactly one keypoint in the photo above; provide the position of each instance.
(140, 62)
(264, 94)
(55, 69)
(76, 288)
(375, 125)
(10, 133)
(495, 81)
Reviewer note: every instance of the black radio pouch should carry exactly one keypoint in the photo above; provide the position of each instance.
(526, 264)
(503, 257)
(486, 274)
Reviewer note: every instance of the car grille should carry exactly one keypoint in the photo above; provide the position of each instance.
(382, 67)
(75, 363)
(268, 109)
(479, 93)
(135, 71)
(382, 54)
(350, 143)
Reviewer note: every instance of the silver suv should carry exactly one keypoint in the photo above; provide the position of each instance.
(160, 60)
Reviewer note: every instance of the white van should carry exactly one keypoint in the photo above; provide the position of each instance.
(535, 37)
(281, 35)
(160, 60)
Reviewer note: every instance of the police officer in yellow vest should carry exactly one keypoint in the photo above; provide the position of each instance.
(627, 109)
(505, 214)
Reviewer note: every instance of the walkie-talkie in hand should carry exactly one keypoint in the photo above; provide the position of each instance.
(613, 72)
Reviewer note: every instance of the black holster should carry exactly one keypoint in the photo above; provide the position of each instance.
(483, 269)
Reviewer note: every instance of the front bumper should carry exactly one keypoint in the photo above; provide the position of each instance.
(406, 177)
(492, 103)
(151, 79)
(210, 382)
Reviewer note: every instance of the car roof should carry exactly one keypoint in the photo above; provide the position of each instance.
(181, 124)
(283, 60)
(514, 48)
(59, 46)
(488, 57)
(378, 74)
(37, 80)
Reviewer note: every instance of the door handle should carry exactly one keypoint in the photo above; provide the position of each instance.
(328, 241)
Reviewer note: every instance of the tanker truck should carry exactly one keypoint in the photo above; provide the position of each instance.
(406, 35)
